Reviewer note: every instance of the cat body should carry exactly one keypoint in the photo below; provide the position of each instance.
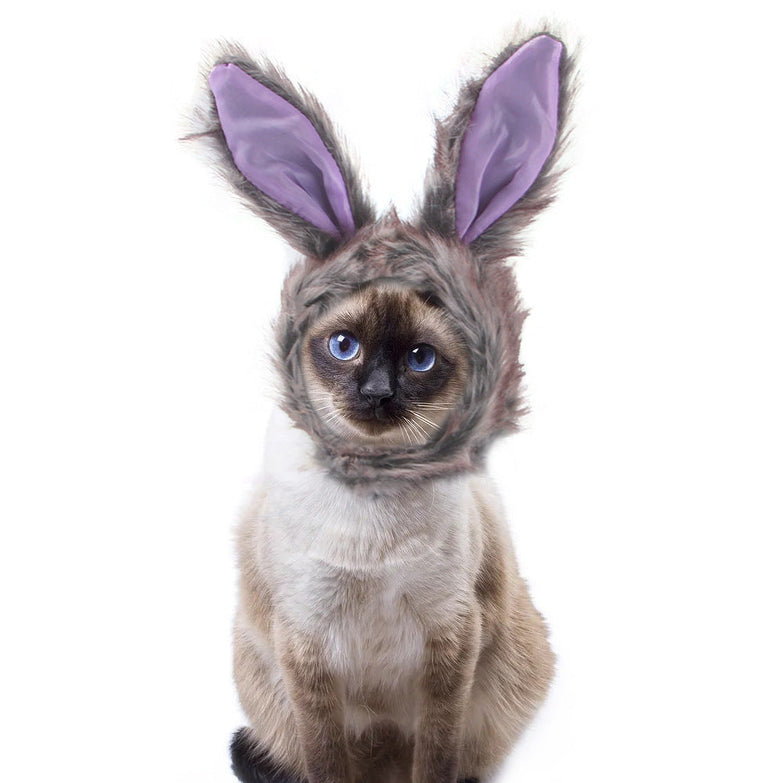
(383, 631)
(367, 575)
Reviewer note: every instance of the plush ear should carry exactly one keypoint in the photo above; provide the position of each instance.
(494, 159)
(278, 149)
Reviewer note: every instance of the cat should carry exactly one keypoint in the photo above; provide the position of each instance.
(383, 632)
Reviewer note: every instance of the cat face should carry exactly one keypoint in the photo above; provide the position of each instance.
(384, 365)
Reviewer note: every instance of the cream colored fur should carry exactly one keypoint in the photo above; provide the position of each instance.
(366, 576)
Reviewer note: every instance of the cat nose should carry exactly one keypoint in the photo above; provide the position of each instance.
(377, 387)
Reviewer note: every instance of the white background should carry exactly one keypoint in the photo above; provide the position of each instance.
(135, 299)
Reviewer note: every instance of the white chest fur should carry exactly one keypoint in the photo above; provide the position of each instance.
(365, 571)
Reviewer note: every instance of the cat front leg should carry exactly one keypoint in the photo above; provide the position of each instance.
(449, 665)
(317, 707)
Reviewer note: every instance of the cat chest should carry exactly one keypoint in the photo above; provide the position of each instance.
(371, 578)
(374, 641)
(368, 575)
(374, 621)
(375, 637)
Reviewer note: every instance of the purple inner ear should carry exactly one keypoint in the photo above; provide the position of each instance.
(280, 152)
(512, 132)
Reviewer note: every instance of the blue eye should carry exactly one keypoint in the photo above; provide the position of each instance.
(343, 346)
(421, 358)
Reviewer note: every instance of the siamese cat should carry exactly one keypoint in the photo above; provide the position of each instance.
(383, 631)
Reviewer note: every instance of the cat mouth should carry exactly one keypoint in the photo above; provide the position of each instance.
(385, 423)
(376, 414)
(375, 419)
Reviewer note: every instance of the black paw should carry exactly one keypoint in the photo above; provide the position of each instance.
(252, 765)
(469, 780)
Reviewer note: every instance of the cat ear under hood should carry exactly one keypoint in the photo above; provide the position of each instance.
(278, 149)
(496, 152)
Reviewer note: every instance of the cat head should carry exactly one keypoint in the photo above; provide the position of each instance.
(398, 341)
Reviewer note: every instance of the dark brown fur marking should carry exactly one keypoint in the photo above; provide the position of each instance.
(388, 322)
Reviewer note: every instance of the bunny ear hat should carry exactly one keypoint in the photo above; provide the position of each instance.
(493, 171)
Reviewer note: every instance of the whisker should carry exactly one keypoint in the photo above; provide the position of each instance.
(418, 428)
(404, 427)
(414, 433)
(329, 418)
(321, 399)
(424, 419)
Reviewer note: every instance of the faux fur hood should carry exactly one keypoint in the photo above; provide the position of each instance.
(494, 170)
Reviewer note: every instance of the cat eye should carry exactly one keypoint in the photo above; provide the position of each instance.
(421, 357)
(343, 346)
